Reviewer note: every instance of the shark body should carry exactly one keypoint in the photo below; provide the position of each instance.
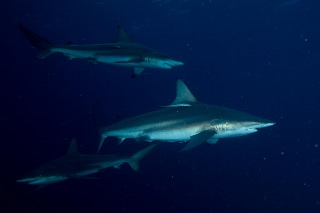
(186, 120)
(74, 165)
(123, 52)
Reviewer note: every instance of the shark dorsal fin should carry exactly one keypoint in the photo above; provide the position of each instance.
(73, 147)
(123, 35)
(183, 97)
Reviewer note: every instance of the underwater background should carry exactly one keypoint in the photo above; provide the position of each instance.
(260, 57)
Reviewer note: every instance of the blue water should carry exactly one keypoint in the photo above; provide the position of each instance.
(261, 57)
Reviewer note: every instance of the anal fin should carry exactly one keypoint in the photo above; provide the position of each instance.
(136, 71)
(212, 140)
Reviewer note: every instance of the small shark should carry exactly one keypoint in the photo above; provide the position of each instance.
(184, 120)
(75, 165)
(123, 52)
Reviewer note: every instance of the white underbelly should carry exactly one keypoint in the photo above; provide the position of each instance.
(173, 135)
(234, 133)
(74, 53)
(115, 60)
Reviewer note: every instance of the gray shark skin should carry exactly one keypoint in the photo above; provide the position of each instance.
(184, 120)
(74, 165)
(123, 52)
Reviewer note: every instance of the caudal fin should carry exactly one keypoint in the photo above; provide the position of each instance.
(135, 158)
(41, 44)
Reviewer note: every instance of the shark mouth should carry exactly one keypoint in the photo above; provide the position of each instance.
(166, 65)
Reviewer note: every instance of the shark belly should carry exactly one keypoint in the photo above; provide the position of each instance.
(48, 180)
(124, 133)
(158, 64)
(130, 61)
(174, 134)
(87, 172)
(73, 53)
(169, 136)
(125, 61)
(234, 133)
(108, 164)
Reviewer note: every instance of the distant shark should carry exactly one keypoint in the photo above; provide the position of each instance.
(74, 165)
(123, 52)
(184, 120)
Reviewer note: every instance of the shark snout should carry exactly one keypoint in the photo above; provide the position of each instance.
(269, 124)
(263, 125)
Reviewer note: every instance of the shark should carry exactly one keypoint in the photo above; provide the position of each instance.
(75, 165)
(185, 120)
(122, 52)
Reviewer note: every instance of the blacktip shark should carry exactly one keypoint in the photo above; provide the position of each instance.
(186, 120)
(123, 52)
(75, 165)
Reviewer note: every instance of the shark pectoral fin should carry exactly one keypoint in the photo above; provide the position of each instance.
(199, 138)
(136, 71)
(212, 140)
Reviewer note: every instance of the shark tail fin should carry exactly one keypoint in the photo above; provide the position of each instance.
(41, 44)
(136, 157)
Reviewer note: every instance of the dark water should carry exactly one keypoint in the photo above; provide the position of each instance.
(261, 57)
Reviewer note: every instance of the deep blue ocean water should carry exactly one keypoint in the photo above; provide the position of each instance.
(261, 57)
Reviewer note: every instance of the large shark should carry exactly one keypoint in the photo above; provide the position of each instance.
(122, 52)
(184, 120)
(75, 165)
